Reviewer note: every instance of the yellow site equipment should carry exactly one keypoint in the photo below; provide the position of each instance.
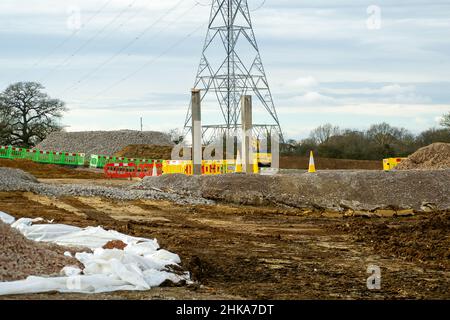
(264, 160)
(391, 163)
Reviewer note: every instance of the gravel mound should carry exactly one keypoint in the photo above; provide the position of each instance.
(17, 180)
(432, 157)
(326, 190)
(101, 142)
(20, 257)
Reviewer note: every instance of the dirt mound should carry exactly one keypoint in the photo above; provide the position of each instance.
(145, 151)
(101, 142)
(49, 171)
(21, 257)
(432, 157)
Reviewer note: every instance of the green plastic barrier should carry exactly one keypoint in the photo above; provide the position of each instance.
(5, 152)
(100, 161)
(48, 157)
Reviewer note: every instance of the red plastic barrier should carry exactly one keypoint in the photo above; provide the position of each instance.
(148, 170)
(120, 170)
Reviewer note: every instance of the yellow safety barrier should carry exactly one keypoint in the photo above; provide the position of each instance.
(209, 167)
(391, 163)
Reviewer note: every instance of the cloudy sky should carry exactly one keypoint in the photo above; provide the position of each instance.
(351, 63)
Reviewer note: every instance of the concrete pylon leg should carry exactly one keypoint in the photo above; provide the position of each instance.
(247, 129)
(196, 132)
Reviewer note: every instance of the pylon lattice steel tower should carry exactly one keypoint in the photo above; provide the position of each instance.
(227, 77)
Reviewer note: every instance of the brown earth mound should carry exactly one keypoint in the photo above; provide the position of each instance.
(145, 151)
(302, 163)
(20, 257)
(432, 157)
(49, 171)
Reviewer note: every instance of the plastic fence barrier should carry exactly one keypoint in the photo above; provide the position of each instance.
(120, 170)
(131, 170)
(99, 161)
(40, 156)
(208, 167)
(391, 163)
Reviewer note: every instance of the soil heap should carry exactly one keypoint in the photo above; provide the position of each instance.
(433, 157)
(145, 151)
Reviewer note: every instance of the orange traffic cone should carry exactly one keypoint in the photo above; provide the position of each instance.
(312, 165)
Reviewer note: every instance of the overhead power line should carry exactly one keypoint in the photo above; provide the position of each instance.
(149, 62)
(88, 41)
(260, 6)
(67, 39)
(130, 43)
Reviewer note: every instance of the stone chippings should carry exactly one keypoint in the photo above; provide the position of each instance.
(101, 142)
(17, 180)
(20, 257)
(325, 190)
(336, 191)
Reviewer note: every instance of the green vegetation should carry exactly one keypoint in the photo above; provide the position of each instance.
(378, 142)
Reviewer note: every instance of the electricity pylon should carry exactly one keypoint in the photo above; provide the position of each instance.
(234, 71)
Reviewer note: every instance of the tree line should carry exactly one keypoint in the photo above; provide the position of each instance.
(28, 115)
(378, 142)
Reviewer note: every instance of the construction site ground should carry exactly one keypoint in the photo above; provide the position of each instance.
(249, 252)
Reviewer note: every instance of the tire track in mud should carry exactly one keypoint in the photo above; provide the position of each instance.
(255, 253)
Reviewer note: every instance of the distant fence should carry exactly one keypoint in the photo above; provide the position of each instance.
(116, 167)
(131, 170)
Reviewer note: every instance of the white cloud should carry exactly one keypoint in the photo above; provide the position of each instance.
(396, 89)
(311, 98)
(304, 83)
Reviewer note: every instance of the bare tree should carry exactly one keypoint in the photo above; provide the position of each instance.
(176, 136)
(445, 122)
(323, 133)
(28, 114)
(384, 134)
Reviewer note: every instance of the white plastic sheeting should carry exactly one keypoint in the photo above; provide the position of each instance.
(6, 218)
(140, 266)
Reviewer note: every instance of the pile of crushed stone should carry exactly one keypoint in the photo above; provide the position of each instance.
(17, 180)
(20, 257)
(334, 191)
(101, 142)
(433, 157)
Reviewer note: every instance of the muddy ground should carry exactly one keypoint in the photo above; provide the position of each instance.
(266, 253)
(247, 252)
